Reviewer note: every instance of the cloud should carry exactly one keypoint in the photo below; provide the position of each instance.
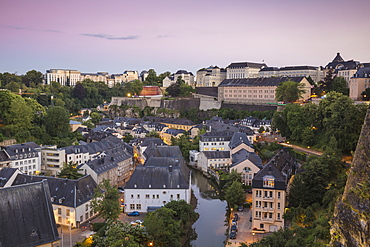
(110, 37)
(32, 29)
(164, 36)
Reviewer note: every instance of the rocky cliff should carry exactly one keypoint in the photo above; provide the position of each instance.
(350, 225)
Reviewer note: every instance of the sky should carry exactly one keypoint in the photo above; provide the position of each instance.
(168, 35)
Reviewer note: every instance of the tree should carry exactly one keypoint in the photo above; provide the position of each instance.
(152, 78)
(57, 122)
(13, 87)
(183, 212)
(153, 133)
(105, 201)
(289, 91)
(340, 85)
(366, 94)
(32, 78)
(134, 88)
(186, 90)
(79, 91)
(20, 116)
(179, 80)
(95, 117)
(327, 84)
(173, 90)
(163, 228)
(70, 171)
(234, 194)
(118, 233)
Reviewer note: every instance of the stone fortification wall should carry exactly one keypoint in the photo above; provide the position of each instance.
(250, 108)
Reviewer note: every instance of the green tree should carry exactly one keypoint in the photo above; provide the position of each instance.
(173, 90)
(340, 85)
(183, 212)
(79, 91)
(163, 228)
(32, 78)
(70, 171)
(366, 94)
(134, 88)
(289, 91)
(7, 78)
(186, 90)
(95, 117)
(152, 78)
(20, 116)
(153, 133)
(118, 233)
(13, 87)
(105, 201)
(57, 122)
(234, 194)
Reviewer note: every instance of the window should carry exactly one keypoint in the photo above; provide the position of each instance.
(278, 195)
(60, 219)
(81, 218)
(278, 216)
(261, 226)
(86, 216)
(153, 196)
(132, 196)
(147, 196)
(59, 211)
(271, 194)
(132, 206)
(87, 207)
(138, 206)
(270, 215)
(278, 205)
(68, 212)
(138, 196)
(178, 196)
(171, 196)
(157, 196)
(268, 181)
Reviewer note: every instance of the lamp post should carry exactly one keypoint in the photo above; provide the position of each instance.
(253, 236)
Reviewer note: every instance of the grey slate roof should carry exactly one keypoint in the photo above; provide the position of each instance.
(5, 174)
(237, 139)
(67, 192)
(269, 169)
(156, 141)
(362, 73)
(248, 82)
(213, 136)
(15, 151)
(162, 151)
(338, 58)
(160, 173)
(303, 67)
(243, 155)
(217, 154)
(246, 64)
(26, 216)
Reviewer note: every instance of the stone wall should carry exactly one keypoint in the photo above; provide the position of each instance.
(350, 225)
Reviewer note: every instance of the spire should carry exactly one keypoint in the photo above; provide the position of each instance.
(338, 58)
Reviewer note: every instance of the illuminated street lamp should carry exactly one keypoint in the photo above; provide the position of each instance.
(253, 236)
(129, 95)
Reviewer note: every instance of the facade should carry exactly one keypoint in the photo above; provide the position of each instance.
(214, 160)
(169, 133)
(158, 181)
(130, 75)
(174, 123)
(246, 163)
(210, 77)
(256, 90)
(215, 141)
(359, 83)
(242, 70)
(269, 189)
(96, 77)
(26, 157)
(70, 198)
(65, 77)
(345, 69)
(188, 77)
(52, 159)
(26, 216)
(315, 73)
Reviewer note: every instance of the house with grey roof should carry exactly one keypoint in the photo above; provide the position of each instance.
(240, 141)
(359, 83)
(187, 76)
(239, 70)
(26, 216)
(7, 176)
(269, 190)
(247, 164)
(26, 157)
(70, 198)
(214, 160)
(157, 182)
(213, 141)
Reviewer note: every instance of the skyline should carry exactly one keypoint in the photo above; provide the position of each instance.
(114, 35)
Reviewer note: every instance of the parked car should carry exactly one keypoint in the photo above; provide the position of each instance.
(236, 217)
(240, 208)
(250, 219)
(234, 228)
(134, 213)
(234, 222)
(232, 235)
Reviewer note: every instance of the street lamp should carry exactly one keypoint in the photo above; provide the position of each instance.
(253, 236)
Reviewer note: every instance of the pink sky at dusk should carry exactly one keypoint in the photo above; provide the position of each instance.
(168, 35)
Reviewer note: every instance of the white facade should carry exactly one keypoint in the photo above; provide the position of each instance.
(140, 199)
(242, 70)
(217, 145)
(130, 75)
(52, 159)
(210, 77)
(65, 77)
(69, 216)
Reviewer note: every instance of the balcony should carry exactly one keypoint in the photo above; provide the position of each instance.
(269, 199)
(267, 209)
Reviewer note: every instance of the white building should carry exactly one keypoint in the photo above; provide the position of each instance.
(316, 73)
(188, 77)
(159, 181)
(215, 141)
(52, 159)
(130, 75)
(210, 77)
(26, 157)
(242, 70)
(65, 77)
(213, 159)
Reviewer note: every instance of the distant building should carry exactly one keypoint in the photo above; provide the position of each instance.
(188, 77)
(240, 70)
(130, 75)
(214, 160)
(26, 216)
(210, 77)
(359, 83)
(96, 77)
(345, 69)
(215, 141)
(315, 73)
(65, 77)
(256, 90)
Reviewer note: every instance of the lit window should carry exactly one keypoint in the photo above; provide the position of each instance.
(268, 181)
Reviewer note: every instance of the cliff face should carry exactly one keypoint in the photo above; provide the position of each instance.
(350, 225)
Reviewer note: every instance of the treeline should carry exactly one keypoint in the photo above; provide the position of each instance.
(335, 122)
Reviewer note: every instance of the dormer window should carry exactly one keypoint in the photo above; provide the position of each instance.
(247, 169)
(269, 181)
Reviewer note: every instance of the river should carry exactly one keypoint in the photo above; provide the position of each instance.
(212, 224)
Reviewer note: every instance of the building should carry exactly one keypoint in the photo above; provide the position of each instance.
(214, 160)
(247, 164)
(345, 69)
(65, 77)
(215, 141)
(210, 77)
(130, 75)
(52, 159)
(70, 198)
(359, 83)
(157, 182)
(188, 78)
(256, 90)
(96, 77)
(269, 190)
(173, 123)
(26, 157)
(242, 70)
(315, 73)
(26, 216)
(168, 134)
